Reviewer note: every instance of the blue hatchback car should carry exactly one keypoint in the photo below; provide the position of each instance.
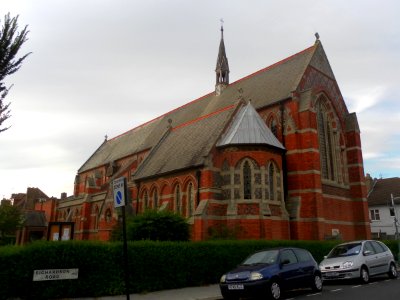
(270, 272)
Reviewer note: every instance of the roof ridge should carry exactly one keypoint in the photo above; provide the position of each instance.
(161, 116)
(205, 116)
(275, 64)
(210, 93)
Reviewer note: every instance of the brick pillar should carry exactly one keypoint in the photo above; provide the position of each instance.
(304, 202)
(358, 191)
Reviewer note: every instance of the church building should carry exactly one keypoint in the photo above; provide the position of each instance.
(274, 155)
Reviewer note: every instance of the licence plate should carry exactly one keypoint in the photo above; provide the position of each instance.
(235, 287)
(331, 274)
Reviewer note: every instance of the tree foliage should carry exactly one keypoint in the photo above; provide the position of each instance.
(11, 219)
(10, 43)
(155, 225)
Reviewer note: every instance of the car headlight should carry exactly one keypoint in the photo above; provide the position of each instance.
(256, 276)
(347, 264)
(223, 278)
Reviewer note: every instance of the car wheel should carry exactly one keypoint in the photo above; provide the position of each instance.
(317, 283)
(364, 275)
(275, 290)
(392, 271)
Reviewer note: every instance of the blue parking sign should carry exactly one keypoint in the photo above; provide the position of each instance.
(119, 192)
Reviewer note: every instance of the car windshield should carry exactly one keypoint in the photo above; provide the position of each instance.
(263, 257)
(345, 250)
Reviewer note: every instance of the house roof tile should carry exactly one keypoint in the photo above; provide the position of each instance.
(382, 189)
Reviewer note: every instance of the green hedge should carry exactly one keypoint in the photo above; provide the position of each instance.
(152, 265)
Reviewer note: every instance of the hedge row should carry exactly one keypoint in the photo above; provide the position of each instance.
(152, 265)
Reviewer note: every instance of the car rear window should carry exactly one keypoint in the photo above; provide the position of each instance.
(302, 255)
(378, 247)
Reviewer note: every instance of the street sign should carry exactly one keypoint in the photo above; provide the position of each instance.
(119, 192)
(55, 274)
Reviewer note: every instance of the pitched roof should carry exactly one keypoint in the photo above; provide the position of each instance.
(381, 190)
(186, 145)
(27, 201)
(265, 87)
(34, 218)
(248, 128)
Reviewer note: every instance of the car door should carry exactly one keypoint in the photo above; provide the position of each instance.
(289, 272)
(383, 257)
(371, 258)
(306, 265)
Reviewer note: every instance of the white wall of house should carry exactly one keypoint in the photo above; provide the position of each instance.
(385, 224)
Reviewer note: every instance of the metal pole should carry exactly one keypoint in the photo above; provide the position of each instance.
(395, 226)
(125, 245)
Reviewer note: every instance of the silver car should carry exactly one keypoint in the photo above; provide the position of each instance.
(358, 259)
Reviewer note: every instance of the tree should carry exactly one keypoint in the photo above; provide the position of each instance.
(11, 219)
(10, 43)
(154, 225)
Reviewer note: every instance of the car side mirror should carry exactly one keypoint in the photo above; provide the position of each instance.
(285, 262)
(367, 252)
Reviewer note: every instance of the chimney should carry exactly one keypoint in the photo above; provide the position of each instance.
(369, 182)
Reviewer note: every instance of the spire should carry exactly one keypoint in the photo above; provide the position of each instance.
(222, 68)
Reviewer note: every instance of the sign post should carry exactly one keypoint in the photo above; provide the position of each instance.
(120, 192)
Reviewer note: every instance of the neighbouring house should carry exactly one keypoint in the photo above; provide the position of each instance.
(35, 223)
(382, 212)
(38, 209)
(273, 155)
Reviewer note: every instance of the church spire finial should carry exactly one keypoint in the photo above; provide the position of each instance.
(222, 68)
(222, 28)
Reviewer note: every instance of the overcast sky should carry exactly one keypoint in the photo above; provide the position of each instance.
(102, 67)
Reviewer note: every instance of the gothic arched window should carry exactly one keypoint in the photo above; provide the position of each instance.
(273, 126)
(271, 181)
(145, 200)
(155, 198)
(190, 199)
(327, 143)
(108, 216)
(247, 180)
(178, 199)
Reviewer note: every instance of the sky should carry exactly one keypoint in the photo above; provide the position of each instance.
(103, 67)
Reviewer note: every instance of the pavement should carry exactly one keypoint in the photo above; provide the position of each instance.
(207, 292)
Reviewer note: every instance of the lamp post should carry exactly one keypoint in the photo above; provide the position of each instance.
(395, 226)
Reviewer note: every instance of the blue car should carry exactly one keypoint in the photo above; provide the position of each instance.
(271, 272)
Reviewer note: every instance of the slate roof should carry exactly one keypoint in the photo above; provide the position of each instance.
(248, 128)
(381, 190)
(34, 218)
(186, 145)
(265, 87)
